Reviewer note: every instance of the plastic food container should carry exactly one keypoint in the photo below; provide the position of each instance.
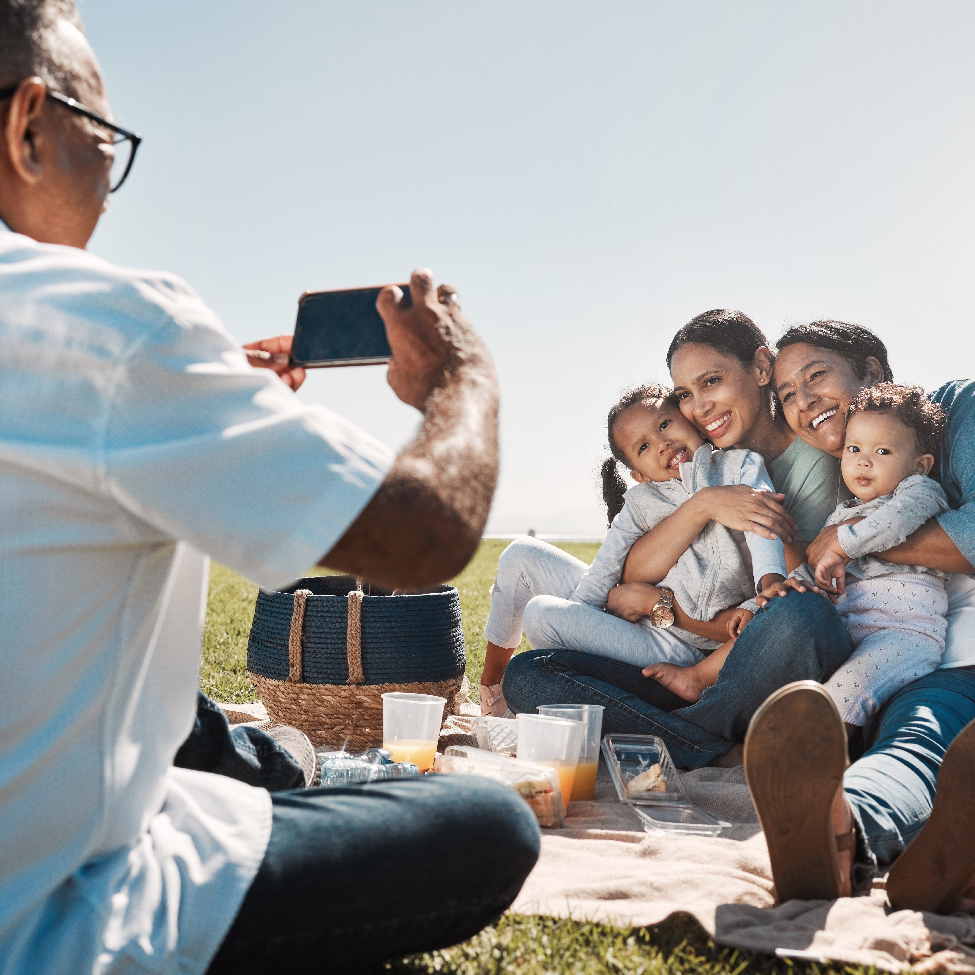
(536, 784)
(632, 756)
(665, 808)
(497, 735)
(676, 818)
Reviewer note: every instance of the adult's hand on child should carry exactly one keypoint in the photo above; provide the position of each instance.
(632, 601)
(275, 354)
(782, 588)
(828, 541)
(738, 620)
(831, 572)
(747, 509)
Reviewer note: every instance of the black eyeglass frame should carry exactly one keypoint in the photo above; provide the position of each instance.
(79, 109)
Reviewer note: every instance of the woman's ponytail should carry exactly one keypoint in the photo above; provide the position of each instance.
(614, 488)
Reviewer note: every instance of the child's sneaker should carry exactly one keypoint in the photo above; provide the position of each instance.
(493, 704)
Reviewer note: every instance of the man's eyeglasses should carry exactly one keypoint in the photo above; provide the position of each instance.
(124, 143)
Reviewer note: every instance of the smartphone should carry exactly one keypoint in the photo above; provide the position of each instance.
(341, 328)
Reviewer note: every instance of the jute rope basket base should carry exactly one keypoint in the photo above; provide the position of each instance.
(322, 654)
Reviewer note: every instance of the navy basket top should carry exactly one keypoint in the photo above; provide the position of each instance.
(406, 639)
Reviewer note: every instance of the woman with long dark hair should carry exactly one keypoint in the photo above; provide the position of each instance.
(722, 368)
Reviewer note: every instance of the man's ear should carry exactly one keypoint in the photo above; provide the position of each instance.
(924, 464)
(20, 130)
(638, 477)
(875, 371)
(764, 365)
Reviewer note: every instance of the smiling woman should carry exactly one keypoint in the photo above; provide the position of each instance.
(820, 367)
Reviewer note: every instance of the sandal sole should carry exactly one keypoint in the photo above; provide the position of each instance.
(795, 756)
(939, 865)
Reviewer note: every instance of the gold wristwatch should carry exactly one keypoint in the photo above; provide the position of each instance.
(662, 614)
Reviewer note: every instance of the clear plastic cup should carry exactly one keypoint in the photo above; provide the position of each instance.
(553, 742)
(591, 716)
(411, 727)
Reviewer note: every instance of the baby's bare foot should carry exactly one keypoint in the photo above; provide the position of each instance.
(682, 681)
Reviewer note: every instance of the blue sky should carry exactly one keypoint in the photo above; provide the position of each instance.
(589, 176)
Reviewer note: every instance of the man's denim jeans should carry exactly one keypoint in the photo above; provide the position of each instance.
(354, 876)
(243, 753)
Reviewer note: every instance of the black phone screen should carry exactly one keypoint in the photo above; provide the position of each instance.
(341, 328)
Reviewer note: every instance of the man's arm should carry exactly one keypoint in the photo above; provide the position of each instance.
(424, 523)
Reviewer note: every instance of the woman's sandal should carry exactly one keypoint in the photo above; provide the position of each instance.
(493, 704)
(938, 867)
(795, 756)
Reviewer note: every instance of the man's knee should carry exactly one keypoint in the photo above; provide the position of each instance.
(494, 818)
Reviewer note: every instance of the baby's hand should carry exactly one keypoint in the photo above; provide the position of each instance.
(782, 588)
(831, 572)
(738, 620)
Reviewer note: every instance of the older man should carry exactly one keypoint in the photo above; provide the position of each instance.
(134, 437)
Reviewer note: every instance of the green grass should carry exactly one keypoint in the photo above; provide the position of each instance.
(516, 944)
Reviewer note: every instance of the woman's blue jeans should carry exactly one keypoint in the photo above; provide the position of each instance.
(354, 876)
(800, 637)
(891, 786)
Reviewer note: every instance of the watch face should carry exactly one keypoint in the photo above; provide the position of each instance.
(661, 616)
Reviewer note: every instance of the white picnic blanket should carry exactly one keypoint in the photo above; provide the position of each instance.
(603, 866)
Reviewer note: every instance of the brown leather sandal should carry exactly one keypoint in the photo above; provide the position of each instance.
(939, 866)
(795, 755)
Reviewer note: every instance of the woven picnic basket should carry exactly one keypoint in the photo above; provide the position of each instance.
(322, 653)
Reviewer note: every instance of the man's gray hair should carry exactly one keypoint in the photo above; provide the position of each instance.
(28, 45)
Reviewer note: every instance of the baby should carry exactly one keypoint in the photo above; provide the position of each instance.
(668, 458)
(895, 614)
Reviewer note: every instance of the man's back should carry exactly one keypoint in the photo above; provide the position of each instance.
(133, 436)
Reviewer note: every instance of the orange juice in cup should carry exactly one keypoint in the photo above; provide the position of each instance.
(552, 742)
(420, 753)
(411, 727)
(591, 718)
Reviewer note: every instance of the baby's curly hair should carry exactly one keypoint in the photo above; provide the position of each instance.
(910, 405)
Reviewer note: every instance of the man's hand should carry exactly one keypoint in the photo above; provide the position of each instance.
(738, 620)
(275, 354)
(429, 340)
(632, 601)
(831, 572)
(425, 521)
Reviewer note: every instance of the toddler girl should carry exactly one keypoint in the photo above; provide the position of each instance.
(722, 568)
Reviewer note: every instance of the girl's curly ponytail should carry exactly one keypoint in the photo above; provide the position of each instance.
(614, 488)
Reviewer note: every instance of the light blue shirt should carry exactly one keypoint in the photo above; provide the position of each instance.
(135, 441)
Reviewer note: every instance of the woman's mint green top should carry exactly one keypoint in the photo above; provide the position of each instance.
(811, 483)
